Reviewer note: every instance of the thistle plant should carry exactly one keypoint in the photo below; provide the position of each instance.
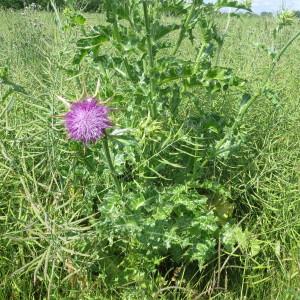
(172, 202)
(162, 162)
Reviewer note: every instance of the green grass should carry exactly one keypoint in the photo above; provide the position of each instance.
(42, 217)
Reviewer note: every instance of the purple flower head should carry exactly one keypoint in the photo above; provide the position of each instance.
(87, 120)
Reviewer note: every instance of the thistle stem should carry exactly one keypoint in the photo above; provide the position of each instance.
(184, 27)
(151, 59)
(110, 165)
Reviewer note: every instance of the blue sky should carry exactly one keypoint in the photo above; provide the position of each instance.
(273, 5)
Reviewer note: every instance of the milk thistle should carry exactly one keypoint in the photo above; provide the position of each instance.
(86, 121)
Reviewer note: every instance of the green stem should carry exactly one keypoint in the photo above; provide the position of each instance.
(117, 34)
(148, 33)
(282, 51)
(198, 58)
(220, 46)
(184, 27)
(151, 59)
(110, 165)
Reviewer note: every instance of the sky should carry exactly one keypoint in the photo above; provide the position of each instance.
(273, 5)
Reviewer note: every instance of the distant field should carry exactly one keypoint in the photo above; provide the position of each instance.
(36, 167)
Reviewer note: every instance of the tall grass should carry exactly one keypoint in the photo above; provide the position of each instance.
(47, 248)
